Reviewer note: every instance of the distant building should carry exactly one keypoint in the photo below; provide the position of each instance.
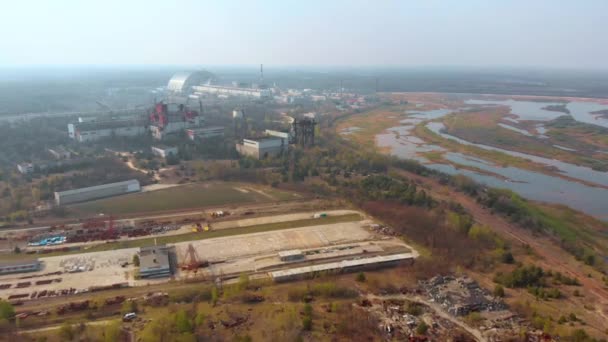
(283, 135)
(205, 132)
(233, 91)
(96, 130)
(164, 151)
(293, 255)
(155, 262)
(96, 192)
(60, 153)
(25, 168)
(20, 267)
(182, 82)
(343, 266)
(171, 119)
(261, 148)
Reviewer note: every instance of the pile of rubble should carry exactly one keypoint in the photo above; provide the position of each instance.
(460, 296)
(382, 229)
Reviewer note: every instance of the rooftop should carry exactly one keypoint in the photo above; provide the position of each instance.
(98, 187)
(154, 257)
(19, 263)
(340, 264)
(93, 126)
(293, 252)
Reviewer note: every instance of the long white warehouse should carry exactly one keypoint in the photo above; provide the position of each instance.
(343, 266)
(96, 192)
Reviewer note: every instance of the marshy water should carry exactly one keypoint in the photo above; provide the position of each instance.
(533, 185)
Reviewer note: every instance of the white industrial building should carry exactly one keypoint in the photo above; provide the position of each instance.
(96, 192)
(60, 153)
(164, 151)
(283, 135)
(173, 118)
(25, 168)
(93, 131)
(233, 91)
(182, 82)
(205, 132)
(261, 148)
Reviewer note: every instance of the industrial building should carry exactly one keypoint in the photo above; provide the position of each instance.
(25, 168)
(342, 266)
(232, 91)
(60, 153)
(283, 135)
(261, 148)
(172, 118)
(96, 192)
(93, 131)
(20, 267)
(164, 151)
(182, 82)
(205, 132)
(293, 255)
(155, 262)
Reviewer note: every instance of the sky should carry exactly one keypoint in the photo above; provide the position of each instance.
(404, 33)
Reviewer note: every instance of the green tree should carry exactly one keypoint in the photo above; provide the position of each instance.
(360, 277)
(182, 323)
(422, 328)
(499, 291)
(129, 306)
(7, 310)
(111, 332)
(243, 282)
(66, 332)
(214, 295)
(136, 260)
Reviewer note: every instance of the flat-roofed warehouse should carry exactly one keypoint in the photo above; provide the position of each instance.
(19, 267)
(343, 266)
(155, 262)
(96, 192)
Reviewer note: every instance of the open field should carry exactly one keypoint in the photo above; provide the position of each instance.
(183, 197)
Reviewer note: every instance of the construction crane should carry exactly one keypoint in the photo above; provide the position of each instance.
(192, 262)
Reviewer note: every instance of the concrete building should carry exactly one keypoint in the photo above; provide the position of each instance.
(60, 153)
(286, 136)
(233, 91)
(19, 267)
(155, 262)
(164, 151)
(96, 192)
(342, 266)
(172, 119)
(93, 131)
(25, 168)
(205, 132)
(293, 255)
(261, 148)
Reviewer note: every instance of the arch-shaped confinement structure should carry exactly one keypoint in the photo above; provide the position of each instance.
(183, 81)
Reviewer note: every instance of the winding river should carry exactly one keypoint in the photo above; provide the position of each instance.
(592, 200)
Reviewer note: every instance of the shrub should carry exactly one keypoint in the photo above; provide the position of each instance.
(499, 291)
(422, 328)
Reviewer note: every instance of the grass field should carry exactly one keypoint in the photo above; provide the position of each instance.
(198, 236)
(184, 197)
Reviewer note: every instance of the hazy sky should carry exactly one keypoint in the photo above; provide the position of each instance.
(565, 33)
